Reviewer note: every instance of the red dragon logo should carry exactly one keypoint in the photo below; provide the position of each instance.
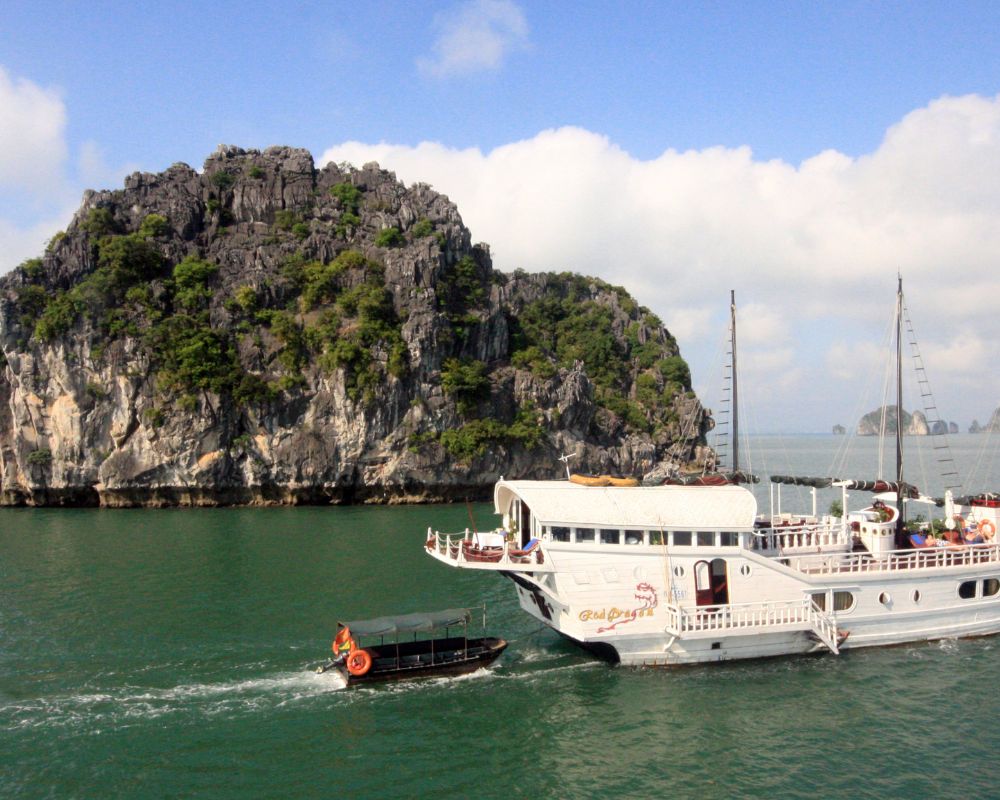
(646, 595)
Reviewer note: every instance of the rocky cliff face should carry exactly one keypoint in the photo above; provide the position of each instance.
(266, 332)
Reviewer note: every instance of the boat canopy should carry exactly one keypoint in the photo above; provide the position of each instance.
(646, 507)
(421, 622)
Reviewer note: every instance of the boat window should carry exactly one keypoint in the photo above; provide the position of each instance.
(609, 536)
(585, 534)
(990, 587)
(706, 538)
(633, 537)
(560, 534)
(885, 599)
(729, 539)
(682, 538)
(745, 570)
(967, 590)
(819, 598)
(915, 596)
(843, 601)
(656, 537)
(678, 572)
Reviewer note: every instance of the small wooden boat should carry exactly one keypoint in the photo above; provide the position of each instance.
(389, 654)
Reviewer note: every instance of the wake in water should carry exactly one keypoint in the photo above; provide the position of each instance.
(99, 710)
(118, 706)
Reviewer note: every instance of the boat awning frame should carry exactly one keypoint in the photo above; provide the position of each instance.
(420, 622)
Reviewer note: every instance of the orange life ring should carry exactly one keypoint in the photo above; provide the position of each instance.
(983, 525)
(359, 662)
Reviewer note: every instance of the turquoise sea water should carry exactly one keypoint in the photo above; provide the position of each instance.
(170, 653)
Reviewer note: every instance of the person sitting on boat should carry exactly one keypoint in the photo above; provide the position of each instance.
(973, 536)
(343, 644)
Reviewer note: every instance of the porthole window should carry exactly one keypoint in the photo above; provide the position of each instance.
(915, 595)
(678, 572)
(745, 570)
(990, 587)
(885, 599)
(843, 601)
(967, 590)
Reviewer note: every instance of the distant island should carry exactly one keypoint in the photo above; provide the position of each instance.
(839, 430)
(914, 424)
(993, 426)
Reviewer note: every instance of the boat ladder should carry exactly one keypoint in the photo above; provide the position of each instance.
(824, 629)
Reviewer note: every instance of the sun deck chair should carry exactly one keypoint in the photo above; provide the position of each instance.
(526, 551)
(918, 540)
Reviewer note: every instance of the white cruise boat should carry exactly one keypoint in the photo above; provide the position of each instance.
(691, 574)
(681, 574)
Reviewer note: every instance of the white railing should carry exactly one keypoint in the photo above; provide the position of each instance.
(923, 558)
(803, 614)
(486, 550)
(741, 615)
(824, 626)
(809, 536)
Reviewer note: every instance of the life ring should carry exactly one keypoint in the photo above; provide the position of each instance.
(359, 662)
(985, 525)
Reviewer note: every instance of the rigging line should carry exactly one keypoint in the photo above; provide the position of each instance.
(888, 375)
(934, 420)
(863, 402)
(537, 630)
(980, 472)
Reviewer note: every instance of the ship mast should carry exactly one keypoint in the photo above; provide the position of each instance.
(736, 405)
(901, 517)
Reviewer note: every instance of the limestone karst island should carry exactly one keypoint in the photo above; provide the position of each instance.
(268, 332)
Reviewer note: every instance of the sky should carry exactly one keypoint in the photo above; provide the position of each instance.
(801, 154)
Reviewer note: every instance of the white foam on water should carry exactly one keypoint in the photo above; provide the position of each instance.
(132, 703)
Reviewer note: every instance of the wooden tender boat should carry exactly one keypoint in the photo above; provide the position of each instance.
(389, 653)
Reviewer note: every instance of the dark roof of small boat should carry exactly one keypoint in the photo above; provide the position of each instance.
(421, 622)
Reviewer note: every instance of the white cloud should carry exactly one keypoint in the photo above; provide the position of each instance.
(814, 246)
(32, 136)
(38, 188)
(475, 36)
(18, 243)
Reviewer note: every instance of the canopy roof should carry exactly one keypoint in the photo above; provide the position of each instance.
(645, 507)
(421, 622)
